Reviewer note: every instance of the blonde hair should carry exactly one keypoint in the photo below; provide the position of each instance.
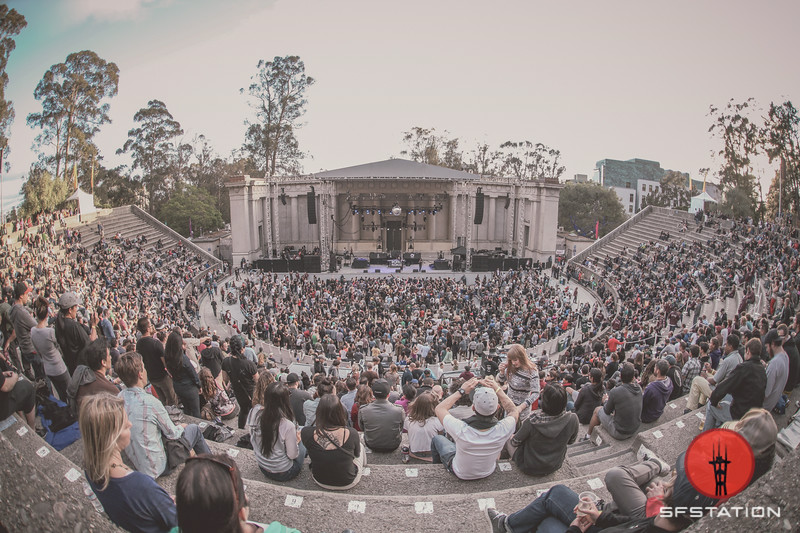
(517, 351)
(101, 421)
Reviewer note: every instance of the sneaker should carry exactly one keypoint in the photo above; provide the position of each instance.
(663, 467)
(497, 520)
(645, 454)
(586, 437)
(687, 411)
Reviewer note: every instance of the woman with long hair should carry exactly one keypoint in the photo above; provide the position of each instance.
(132, 500)
(262, 382)
(422, 425)
(44, 340)
(210, 496)
(392, 376)
(184, 377)
(364, 396)
(409, 393)
(647, 375)
(337, 458)
(217, 403)
(274, 435)
(520, 378)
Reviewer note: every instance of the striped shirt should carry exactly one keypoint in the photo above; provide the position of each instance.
(149, 420)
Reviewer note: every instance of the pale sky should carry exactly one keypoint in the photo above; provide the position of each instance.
(594, 79)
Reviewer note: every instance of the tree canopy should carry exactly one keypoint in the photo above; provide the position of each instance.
(781, 140)
(739, 135)
(74, 98)
(11, 24)
(277, 94)
(153, 151)
(582, 206)
(674, 192)
(42, 191)
(518, 159)
(195, 205)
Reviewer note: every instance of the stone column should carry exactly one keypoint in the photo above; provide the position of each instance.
(490, 232)
(294, 224)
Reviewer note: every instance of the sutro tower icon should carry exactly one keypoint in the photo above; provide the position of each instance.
(720, 470)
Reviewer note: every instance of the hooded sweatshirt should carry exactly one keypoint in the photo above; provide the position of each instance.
(625, 403)
(655, 397)
(542, 442)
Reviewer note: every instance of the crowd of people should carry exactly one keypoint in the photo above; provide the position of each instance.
(447, 318)
(117, 349)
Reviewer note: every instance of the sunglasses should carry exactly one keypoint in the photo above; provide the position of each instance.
(231, 471)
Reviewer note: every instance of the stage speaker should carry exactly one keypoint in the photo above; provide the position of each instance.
(478, 208)
(377, 270)
(415, 270)
(399, 270)
(312, 207)
(366, 271)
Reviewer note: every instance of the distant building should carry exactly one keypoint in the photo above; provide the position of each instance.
(633, 180)
(580, 178)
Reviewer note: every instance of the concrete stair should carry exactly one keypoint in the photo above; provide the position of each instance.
(60, 504)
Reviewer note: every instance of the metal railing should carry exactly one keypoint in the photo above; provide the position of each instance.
(152, 221)
(598, 244)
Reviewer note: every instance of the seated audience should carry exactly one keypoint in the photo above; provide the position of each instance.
(132, 500)
(478, 439)
(589, 397)
(621, 414)
(210, 496)
(337, 457)
(151, 423)
(92, 379)
(657, 393)
(364, 397)
(381, 421)
(17, 395)
(273, 435)
(540, 445)
(216, 400)
(422, 425)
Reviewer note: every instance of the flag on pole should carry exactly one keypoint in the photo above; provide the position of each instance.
(597, 230)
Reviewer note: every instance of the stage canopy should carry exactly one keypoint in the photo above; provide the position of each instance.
(85, 202)
(699, 202)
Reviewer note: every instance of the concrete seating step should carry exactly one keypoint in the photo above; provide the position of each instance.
(387, 479)
(61, 496)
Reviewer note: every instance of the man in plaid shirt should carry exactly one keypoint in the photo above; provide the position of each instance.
(691, 369)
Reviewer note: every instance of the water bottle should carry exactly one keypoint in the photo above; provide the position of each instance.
(92, 498)
(405, 451)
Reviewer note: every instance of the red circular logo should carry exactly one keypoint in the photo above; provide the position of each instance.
(719, 463)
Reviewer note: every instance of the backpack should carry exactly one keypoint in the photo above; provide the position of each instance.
(59, 422)
(217, 432)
